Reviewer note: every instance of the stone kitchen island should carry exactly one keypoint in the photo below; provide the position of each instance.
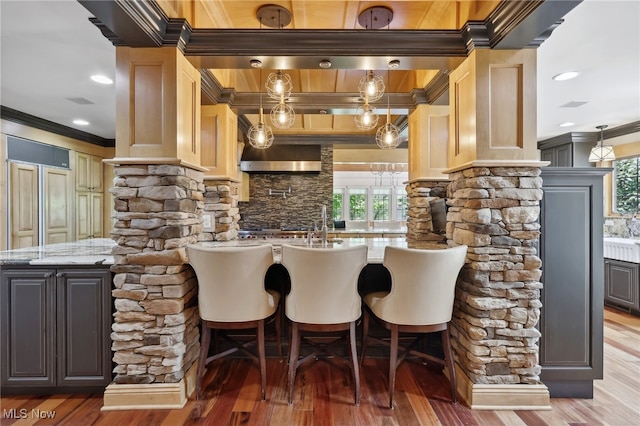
(56, 309)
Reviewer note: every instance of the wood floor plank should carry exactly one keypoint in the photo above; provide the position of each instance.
(324, 396)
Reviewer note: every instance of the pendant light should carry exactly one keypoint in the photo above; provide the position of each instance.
(279, 85)
(602, 152)
(371, 86)
(260, 135)
(366, 116)
(388, 136)
(282, 115)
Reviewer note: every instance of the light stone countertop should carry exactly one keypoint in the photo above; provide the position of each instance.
(375, 253)
(95, 251)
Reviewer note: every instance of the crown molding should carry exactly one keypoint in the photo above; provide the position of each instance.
(25, 119)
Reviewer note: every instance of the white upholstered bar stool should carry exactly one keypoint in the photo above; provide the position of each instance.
(232, 296)
(323, 298)
(420, 301)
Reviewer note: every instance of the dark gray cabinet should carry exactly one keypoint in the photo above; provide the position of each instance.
(55, 329)
(621, 285)
(571, 320)
(572, 154)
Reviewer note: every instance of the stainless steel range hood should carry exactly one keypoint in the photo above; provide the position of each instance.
(281, 158)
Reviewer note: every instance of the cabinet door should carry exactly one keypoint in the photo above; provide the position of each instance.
(89, 212)
(83, 170)
(84, 325)
(621, 283)
(28, 328)
(23, 198)
(96, 215)
(95, 173)
(564, 157)
(57, 206)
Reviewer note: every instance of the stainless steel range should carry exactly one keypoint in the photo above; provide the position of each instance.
(265, 233)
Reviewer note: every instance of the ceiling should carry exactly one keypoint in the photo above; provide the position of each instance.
(50, 48)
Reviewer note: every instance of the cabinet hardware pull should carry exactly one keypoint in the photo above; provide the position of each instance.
(48, 275)
(60, 274)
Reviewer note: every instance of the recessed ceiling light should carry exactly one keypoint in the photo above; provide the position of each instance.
(565, 76)
(567, 124)
(102, 79)
(80, 122)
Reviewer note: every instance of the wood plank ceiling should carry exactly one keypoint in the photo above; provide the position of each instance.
(342, 78)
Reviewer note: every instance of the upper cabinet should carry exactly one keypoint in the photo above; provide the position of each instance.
(568, 150)
(88, 173)
(89, 196)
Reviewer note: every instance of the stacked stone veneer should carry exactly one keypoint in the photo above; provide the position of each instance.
(158, 212)
(221, 200)
(495, 212)
(419, 220)
(309, 192)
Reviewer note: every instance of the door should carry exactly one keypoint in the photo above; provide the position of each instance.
(28, 329)
(84, 325)
(23, 199)
(57, 206)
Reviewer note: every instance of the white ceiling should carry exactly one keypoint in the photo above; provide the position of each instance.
(49, 49)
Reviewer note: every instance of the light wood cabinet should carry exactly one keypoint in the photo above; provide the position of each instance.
(89, 196)
(89, 172)
(58, 203)
(23, 184)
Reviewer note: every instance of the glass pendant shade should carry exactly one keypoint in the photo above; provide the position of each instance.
(601, 152)
(282, 115)
(279, 84)
(366, 117)
(371, 87)
(260, 135)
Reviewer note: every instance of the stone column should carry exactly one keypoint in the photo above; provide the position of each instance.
(158, 199)
(221, 202)
(428, 139)
(494, 211)
(494, 203)
(155, 334)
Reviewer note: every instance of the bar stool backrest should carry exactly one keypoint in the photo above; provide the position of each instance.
(231, 282)
(324, 283)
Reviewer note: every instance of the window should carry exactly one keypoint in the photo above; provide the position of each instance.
(381, 204)
(338, 201)
(626, 191)
(358, 204)
(402, 206)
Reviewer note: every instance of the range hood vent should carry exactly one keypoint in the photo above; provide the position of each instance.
(281, 158)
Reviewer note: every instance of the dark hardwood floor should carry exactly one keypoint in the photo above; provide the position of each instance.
(324, 396)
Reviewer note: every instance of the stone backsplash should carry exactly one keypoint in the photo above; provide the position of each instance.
(309, 192)
(622, 227)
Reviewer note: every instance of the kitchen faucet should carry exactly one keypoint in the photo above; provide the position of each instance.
(324, 229)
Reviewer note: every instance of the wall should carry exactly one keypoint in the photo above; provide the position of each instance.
(309, 191)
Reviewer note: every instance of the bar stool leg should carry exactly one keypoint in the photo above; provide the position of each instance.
(354, 360)
(393, 361)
